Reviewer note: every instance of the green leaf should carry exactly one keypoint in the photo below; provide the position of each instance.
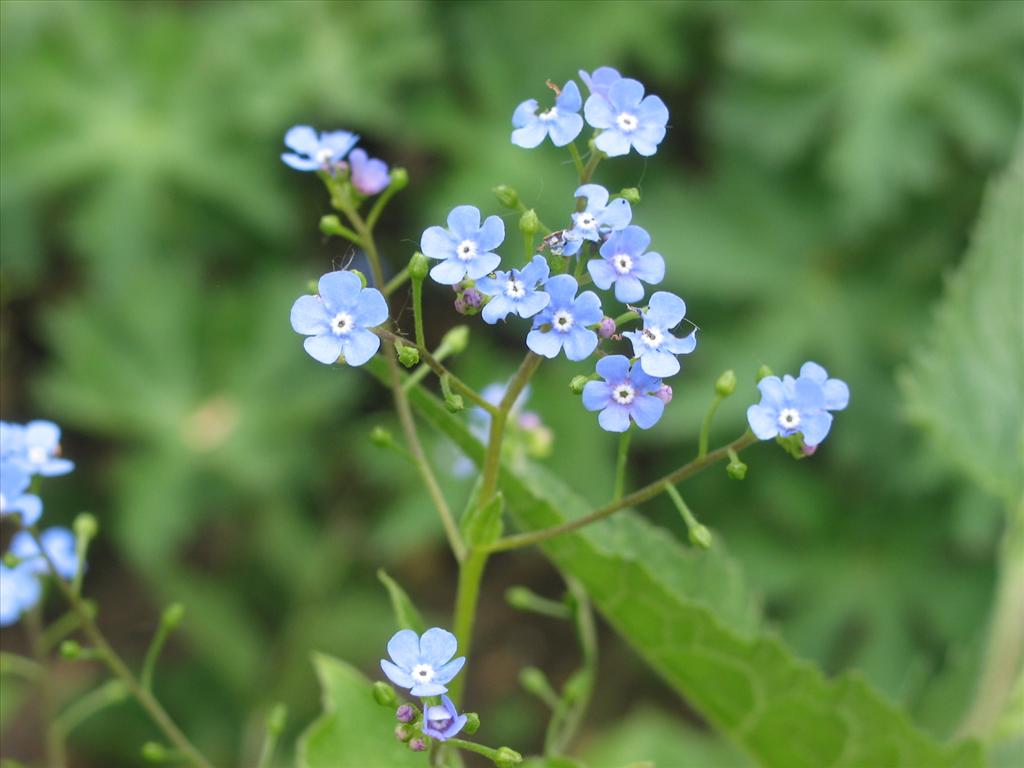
(482, 525)
(354, 731)
(966, 385)
(690, 616)
(405, 612)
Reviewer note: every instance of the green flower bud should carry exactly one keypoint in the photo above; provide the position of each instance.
(577, 384)
(419, 266)
(536, 682)
(276, 719)
(456, 340)
(407, 356)
(507, 196)
(362, 277)
(630, 194)
(154, 753)
(763, 371)
(700, 536)
(736, 469)
(472, 723)
(506, 758)
(385, 695)
(11, 560)
(539, 442)
(70, 649)
(381, 437)
(313, 287)
(330, 224)
(85, 526)
(529, 223)
(172, 615)
(399, 179)
(726, 384)
(519, 597)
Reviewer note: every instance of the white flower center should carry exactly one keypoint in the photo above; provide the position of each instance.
(423, 673)
(623, 394)
(466, 250)
(37, 454)
(652, 337)
(515, 289)
(789, 418)
(341, 323)
(623, 263)
(586, 221)
(549, 115)
(562, 321)
(324, 155)
(627, 122)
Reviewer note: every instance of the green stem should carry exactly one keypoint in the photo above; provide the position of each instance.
(339, 229)
(588, 172)
(163, 630)
(110, 693)
(471, 572)
(417, 311)
(396, 282)
(378, 206)
(153, 707)
(55, 753)
(586, 633)
(692, 523)
(705, 427)
(576, 159)
(637, 497)
(13, 664)
(469, 746)
(620, 464)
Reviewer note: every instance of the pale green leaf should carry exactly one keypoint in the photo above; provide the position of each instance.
(405, 612)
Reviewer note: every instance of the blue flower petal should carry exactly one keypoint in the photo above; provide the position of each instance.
(647, 410)
(303, 139)
(448, 272)
(529, 136)
(562, 289)
(614, 368)
(525, 113)
(496, 309)
(599, 113)
(628, 289)
(491, 234)
(464, 222)
(625, 95)
(587, 309)
(595, 194)
(371, 308)
(404, 648)
(532, 303)
(325, 348)
(437, 243)
(359, 346)
(580, 343)
(683, 346)
(309, 316)
(29, 506)
(447, 671)
(602, 273)
(547, 344)
(482, 265)
(611, 142)
(437, 646)
(564, 129)
(428, 689)
(396, 674)
(299, 163)
(665, 310)
(773, 394)
(340, 290)
(658, 362)
(570, 100)
(596, 394)
(614, 418)
(815, 426)
(763, 421)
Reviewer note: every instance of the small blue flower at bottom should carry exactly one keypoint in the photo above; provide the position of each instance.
(626, 262)
(465, 249)
(422, 664)
(626, 392)
(313, 152)
(515, 291)
(336, 321)
(14, 481)
(443, 722)
(19, 591)
(654, 344)
(566, 318)
(789, 405)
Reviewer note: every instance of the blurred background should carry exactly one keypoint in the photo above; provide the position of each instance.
(824, 166)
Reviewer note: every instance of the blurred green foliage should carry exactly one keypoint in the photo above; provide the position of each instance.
(823, 166)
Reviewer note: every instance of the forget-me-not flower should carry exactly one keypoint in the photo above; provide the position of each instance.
(14, 482)
(369, 175)
(314, 152)
(563, 323)
(58, 543)
(443, 721)
(465, 248)
(627, 119)
(422, 664)
(789, 406)
(626, 393)
(837, 393)
(654, 344)
(598, 217)
(515, 291)
(336, 321)
(626, 263)
(19, 591)
(561, 122)
(600, 80)
(35, 446)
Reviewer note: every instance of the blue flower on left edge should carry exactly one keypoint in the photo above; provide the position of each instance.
(19, 591)
(59, 544)
(422, 664)
(443, 722)
(626, 393)
(313, 152)
(515, 291)
(336, 321)
(14, 482)
(654, 344)
(35, 446)
(561, 122)
(465, 248)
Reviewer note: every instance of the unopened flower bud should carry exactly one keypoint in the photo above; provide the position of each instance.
(700, 536)
(473, 298)
(330, 224)
(630, 194)
(418, 745)
(506, 196)
(763, 371)
(726, 383)
(85, 526)
(407, 356)
(172, 616)
(809, 450)
(154, 753)
(381, 437)
(384, 694)
(736, 469)
(577, 384)
(607, 328)
(529, 223)
(399, 179)
(405, 714)
(403, 732)
(472, 723)
(506, 758)
(419, 266)
(529, 420)
(313, 287)
(277, 719)
(460, 305)
(70, 649)
(539, 442)
(456, 340)
(664, 394)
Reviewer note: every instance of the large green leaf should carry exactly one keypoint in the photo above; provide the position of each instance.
(354, 730)
(966, 385)
(690, 616)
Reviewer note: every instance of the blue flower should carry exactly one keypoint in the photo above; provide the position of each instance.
(627, 119)
(337, 320)
(597, 218)
(19, 591)
(59, 544)
(789, 405)
(561, 122)
(369, 175)
(626, 392)
(14, 482)
(600, 80)
(563, 323)
(422, 664)
(314, 153)
(515, 291)
(443, 722)
(465, 247)
(35, 446)
(654, 345)
(625, 264)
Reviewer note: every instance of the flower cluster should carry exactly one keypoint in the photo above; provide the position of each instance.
(424, 664)
(790, 406)
(327, 152)
(28, 450)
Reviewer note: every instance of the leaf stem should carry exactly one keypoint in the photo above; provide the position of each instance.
(417, 311)
(576, 159)
(396, 282)
(705, 426)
